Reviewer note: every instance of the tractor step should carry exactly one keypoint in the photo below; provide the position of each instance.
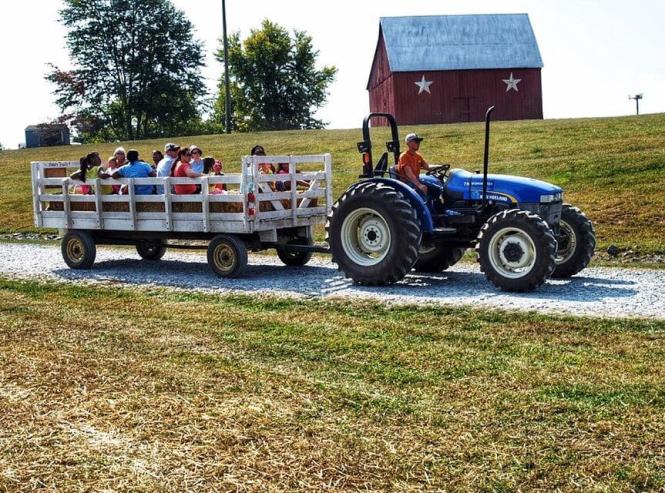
(444, 232)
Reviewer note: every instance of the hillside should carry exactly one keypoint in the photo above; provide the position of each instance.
(612, 168)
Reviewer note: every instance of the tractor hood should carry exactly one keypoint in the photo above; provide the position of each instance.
(502, 188)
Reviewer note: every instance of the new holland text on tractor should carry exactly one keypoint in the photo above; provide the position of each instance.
(381, 228)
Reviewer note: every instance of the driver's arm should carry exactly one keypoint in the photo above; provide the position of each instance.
(414, 179)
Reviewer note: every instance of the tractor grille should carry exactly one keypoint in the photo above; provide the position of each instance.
(550, 213)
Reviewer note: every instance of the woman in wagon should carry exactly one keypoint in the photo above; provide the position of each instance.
(197, 159)
(265, 168)
(181, 169)
(136, 169)
(120, 156)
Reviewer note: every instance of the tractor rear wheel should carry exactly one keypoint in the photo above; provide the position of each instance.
(577, 242)
(374, 234)
(516, 250)
(437, 258)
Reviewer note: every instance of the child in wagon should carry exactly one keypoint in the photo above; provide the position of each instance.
(90, 168)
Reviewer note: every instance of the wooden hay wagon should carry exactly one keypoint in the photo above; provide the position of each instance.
(251, 214)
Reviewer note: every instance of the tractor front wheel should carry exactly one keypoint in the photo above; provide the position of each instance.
(516, 250)
(577, 242)
(374, 234)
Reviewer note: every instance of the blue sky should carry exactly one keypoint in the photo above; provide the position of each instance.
(595, 53)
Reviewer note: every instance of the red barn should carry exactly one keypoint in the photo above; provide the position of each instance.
(451, 68)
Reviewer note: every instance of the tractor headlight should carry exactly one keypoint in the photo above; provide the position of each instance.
(554, 197)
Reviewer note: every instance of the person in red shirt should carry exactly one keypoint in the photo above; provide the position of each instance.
(182, 169)
(411, 162)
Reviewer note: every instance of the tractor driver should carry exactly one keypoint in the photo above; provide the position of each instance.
(411, 162)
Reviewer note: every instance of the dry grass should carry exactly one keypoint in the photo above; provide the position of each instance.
(115, 389)
(613, 168)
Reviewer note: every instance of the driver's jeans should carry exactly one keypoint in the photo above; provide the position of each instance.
(432, 193)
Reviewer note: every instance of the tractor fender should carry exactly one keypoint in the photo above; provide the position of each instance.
(418, 203)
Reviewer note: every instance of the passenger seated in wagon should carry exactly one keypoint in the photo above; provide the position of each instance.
(136, 169)
(182, 169)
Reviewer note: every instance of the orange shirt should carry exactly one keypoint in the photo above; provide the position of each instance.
(181, 172)
(413, 161)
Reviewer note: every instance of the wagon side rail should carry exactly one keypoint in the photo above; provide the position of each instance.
(57, 205)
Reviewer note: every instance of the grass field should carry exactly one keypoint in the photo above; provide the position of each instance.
(117, 389)
(613, 168)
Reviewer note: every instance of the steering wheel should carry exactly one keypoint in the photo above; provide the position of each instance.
(439, 171)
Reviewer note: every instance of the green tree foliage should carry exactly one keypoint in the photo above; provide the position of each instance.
(274, 81)
(136, 70)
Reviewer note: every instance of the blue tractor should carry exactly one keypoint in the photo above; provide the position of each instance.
(381, 227)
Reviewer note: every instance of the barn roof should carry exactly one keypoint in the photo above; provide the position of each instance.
(460, 42)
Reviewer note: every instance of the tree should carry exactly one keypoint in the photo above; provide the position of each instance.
(274, 81)
(136, 70)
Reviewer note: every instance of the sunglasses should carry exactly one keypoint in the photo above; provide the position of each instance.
(196, 152)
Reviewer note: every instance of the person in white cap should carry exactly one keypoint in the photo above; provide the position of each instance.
(411, 162)
(165, 165)
(197, 159)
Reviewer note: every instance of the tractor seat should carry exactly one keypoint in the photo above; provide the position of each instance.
(382, 165)
(392, 173)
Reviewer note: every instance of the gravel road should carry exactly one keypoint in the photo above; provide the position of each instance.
(603, 292)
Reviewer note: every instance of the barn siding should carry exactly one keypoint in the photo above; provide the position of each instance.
(464, 95)
(380, 66)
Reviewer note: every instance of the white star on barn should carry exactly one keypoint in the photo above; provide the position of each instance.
(512, 83)
(423, 85)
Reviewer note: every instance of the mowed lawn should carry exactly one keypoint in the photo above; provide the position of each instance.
(110, 388)
(612, 168)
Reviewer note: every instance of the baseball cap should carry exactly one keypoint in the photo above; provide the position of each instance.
(193, 148)
(412, 137)
(171, 147)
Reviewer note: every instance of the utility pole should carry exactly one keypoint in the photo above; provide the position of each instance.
(637, 98)
(227, 89)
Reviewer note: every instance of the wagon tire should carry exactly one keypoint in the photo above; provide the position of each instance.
(437, 258)
(78, 249)
(151, 250)
(577, 242)
(295, 258)
(516, 250)
(374, 234)
(227, 256)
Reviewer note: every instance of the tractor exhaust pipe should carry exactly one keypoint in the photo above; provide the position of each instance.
(486, 158)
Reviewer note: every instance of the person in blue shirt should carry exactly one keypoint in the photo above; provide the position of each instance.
(136, 169)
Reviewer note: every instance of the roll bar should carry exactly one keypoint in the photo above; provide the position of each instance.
(365, 147)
